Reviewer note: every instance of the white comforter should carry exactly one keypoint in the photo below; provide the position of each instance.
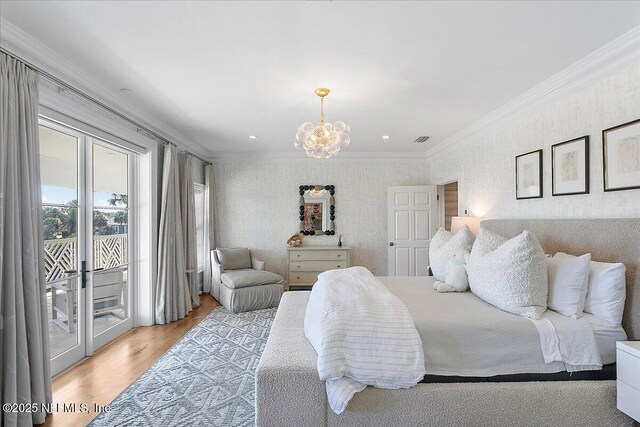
(363, 334)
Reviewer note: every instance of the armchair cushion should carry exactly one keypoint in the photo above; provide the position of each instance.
(234, 258)
(235, 279)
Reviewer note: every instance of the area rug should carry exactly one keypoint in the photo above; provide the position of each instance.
(206, 378)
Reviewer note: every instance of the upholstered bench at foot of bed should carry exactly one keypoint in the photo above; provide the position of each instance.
(289, 393)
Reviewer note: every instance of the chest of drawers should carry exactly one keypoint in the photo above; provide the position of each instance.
(628, 367)
(305, 263)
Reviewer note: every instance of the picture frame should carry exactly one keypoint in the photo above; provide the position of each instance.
(529, 175)
(621, 157)
(570, 167)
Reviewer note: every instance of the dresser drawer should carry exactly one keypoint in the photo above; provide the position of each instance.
(627, 399)
(628, 367)
(328, 255)
(318, 266)
(303, 277)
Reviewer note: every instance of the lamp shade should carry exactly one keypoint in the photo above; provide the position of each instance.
(458, 222)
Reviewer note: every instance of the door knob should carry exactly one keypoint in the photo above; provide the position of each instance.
(390, 243)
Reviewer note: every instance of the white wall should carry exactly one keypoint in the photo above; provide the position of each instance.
(257, 204)
(484, 162)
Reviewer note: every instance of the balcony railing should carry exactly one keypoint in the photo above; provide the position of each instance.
(60, 255)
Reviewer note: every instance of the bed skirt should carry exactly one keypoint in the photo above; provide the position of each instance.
(289, 393)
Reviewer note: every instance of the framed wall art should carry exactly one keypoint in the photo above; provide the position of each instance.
(621, 156)
(570, 167)
(529, 175)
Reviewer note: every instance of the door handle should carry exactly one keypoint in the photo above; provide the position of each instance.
(83, 272)
(390, 243)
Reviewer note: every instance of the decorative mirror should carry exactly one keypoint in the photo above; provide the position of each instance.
(317, 209)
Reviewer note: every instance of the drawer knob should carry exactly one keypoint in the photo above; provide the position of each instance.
(338, 266)
(339, 255)
(298, 255)
(298, 277)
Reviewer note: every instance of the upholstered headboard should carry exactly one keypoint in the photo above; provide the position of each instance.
(608, 240)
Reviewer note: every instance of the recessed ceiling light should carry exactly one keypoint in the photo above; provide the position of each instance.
(385, 136)
(252, 137)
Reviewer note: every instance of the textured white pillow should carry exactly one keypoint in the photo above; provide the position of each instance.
(606, 292)
(568, 280)
(444, 245)
(510, 274)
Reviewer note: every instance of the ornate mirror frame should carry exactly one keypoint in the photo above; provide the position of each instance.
(308, 193)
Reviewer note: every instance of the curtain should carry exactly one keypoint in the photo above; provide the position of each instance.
(25, 376)
(209, 240)
(173, 299)
(188, 213)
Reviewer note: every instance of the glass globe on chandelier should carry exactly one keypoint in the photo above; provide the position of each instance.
(324, 139)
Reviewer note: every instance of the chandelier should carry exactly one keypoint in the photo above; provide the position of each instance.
(324, 139)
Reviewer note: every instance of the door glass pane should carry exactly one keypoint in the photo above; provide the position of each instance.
(110, 178)
(110, 238)
(110, 298)
(59, 174)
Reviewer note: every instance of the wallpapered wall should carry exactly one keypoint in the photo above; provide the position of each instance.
(257, 204)
(485, 166)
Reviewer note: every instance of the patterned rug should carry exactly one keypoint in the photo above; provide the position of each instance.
(206, 378)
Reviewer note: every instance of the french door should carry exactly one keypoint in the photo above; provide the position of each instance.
(87, 199)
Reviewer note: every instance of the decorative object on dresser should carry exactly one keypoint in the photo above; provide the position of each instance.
(628, 382)
(317, 209)
(295, 240)
(621, 156)
(570, 167)
(529, 175)
(307, 262)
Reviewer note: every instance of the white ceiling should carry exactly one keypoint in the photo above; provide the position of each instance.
(221, 71)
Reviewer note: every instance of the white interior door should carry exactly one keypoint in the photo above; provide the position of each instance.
(412, 221)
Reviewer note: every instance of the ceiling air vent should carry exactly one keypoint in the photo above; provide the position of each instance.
(421, 139)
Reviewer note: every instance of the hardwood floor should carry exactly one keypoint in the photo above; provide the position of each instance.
(101, 378)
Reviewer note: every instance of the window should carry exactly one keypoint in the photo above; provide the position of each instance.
(198, 190)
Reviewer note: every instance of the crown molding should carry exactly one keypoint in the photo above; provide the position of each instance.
(621, 53)
(301, 156)
(32, 50)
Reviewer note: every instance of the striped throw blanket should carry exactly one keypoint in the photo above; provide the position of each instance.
(363, 334)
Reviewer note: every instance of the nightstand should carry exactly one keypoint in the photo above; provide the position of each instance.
(628, 367)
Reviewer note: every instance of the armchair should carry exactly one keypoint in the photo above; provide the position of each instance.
(240, 281)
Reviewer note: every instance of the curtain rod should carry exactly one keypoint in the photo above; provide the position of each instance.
(100, 104)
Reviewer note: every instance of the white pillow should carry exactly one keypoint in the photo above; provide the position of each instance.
(568, 281)
(510, 274)
(444, 245)
(606, 292)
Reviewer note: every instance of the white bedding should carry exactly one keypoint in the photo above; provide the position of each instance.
(567, 340)
(460, 334)
(606, 336)
(363, 334)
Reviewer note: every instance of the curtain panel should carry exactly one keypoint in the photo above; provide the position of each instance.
(188, 214)
(173, 298)
(209, 218)
(25, 376)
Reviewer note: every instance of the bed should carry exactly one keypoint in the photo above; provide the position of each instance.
(288, 391)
